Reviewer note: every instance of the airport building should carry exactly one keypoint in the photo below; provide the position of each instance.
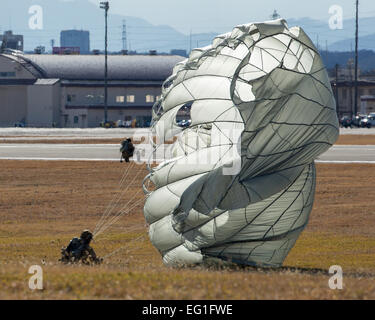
(68, 90)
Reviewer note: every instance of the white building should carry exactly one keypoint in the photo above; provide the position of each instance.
(68, 90)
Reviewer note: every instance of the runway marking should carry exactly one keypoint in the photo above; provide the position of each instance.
(51, 145)
(57, 159)
(89, 152)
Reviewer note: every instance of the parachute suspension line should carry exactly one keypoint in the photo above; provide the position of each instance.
(146, 181)
(122, 211)
(104, 222)
(130, 202)
(125, 246)
(114, 200)
(135, 228)
(117, 217)
(125, 175)
(149, 160)
(150, 169)
(127, 187)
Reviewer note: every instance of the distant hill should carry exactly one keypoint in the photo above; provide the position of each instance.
(142, 35)
(82, 14)
(365, 42)
(366, 59)
(337, 40)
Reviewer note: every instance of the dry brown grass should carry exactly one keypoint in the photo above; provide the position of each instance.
(349, 139)
(44, 204)
(343, 140)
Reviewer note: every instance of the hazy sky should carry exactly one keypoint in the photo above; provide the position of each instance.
(197, 16)
(208, 15)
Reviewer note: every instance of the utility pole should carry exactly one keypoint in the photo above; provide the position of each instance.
(350, 67)
(105, 6)
(124, 36)
(356, 61)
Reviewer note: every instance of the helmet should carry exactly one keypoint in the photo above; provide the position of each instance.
(86, 235)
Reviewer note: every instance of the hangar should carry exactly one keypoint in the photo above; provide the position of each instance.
(68, 90)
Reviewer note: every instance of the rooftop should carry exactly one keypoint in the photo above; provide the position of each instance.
(91, 67)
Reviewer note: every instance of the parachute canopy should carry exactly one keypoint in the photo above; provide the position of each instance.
(250, 112)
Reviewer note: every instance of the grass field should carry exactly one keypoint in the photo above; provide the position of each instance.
(44, 204)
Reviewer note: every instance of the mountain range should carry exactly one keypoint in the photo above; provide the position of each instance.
(143, 36)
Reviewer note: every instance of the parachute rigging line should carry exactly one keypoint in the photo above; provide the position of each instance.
(114, 199)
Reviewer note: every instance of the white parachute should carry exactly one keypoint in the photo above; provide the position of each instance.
(238, 182)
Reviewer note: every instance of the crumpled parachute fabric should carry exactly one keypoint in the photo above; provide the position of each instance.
(240, 180)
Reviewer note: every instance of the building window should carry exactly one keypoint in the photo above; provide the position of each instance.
(7, 74)
(150, 98)
(130, 98)
(120, 99)
(158, 98)
(75, 119)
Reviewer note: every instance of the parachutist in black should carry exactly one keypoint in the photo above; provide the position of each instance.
(127, 149)
(79, 250)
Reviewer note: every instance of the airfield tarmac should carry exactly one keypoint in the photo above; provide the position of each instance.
(116, 132)
(110, 152)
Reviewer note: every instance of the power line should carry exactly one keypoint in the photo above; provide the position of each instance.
(124, 36)
(105, 6)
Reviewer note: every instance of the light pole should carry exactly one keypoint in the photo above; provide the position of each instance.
(356, 62)
(337, 90)
(105, 5)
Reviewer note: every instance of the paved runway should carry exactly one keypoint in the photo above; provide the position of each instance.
(349, 153)
(110, 152)
(100, 133)
(97, 152)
